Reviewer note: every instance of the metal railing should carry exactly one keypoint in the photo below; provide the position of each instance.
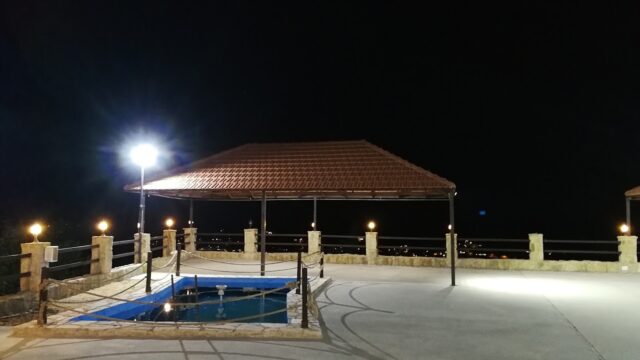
(220, 242)
(75, 258)
(295, 242)
(411, 246)
(601, 250)
(10, 273)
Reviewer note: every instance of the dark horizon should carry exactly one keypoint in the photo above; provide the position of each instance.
(530, 110)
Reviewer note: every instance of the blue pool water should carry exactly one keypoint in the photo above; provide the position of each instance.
(207, 291)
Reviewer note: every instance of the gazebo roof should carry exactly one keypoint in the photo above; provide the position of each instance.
(633, 193)
(325, 170)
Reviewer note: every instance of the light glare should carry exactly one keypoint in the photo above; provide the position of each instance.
(167, 307)
(35, 229)
(103, 226)
(144, 155)
(371, 225)
(169, 223)
(624, 228)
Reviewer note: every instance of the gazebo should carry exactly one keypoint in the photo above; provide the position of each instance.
(633, 194)
(313, 171)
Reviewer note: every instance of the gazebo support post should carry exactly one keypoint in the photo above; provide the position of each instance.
(453, 247)
(190, 213)
(263, 234)
(628, 203)
(315, 213)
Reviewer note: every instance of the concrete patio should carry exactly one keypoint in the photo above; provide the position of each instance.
(385, 312)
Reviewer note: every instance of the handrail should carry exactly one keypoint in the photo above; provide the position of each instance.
(15, 256)
(492, 240)
(78, 248)
(118, 256)
(357, 237)
(219, 234)
(70, 265)
(411, 238)
(125, 242)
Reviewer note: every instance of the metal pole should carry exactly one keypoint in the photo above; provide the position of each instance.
(263, 234)
(195, 279)
(178, 259)
(321, 263)
(452, 240)
(141, 214)
(173, 299)
(315, 213)
(44, 297)
(628, 203)
(298, 271)
(305, 320)
(190, 213)
(149, 266)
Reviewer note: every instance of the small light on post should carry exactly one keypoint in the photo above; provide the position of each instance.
(624, 228)
(169, 223)
(103, 226)
(313, 225)
(371, 225)
(449, 227)
(167, 307)
(35, 230)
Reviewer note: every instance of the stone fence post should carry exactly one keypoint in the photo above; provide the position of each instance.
(103, 254)
(536, 248)
(190, 238)
(313, 238)
(628, 248)
(371, 239)
(32, 264)
(250, 241)
(447, 238)
(145, 245)
(168, 242)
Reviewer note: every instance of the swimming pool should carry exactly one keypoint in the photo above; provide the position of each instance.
(273, 304)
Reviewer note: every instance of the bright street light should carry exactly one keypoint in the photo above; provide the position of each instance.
(144, 155)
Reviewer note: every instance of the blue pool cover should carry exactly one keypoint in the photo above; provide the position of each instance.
(129, 310)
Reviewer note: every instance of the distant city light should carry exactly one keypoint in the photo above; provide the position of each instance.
(624, 228)
(482, 212)
(371, 225)
(103, 226)
(144, 155)
(35, 230)
(169, 223)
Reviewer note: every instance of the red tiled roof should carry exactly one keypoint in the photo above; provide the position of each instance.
(338, 169)
(633, 193)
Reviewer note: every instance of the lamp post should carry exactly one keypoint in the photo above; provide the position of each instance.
(144, 156)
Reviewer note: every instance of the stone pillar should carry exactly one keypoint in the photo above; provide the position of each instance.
(628, 247)
(190, 238)
(371, 240)
(250, 241)
(168, 242)
(103, 254)
(32, 264)
(314, 242)
(536, 248)
(447, 237)
(145, 244)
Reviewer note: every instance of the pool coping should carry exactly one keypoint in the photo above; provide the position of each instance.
(60, 324)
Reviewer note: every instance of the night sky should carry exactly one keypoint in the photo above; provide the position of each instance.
(532, 110)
